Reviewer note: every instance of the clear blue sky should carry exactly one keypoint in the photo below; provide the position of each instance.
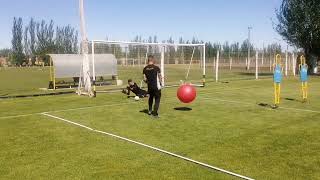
(208, 20)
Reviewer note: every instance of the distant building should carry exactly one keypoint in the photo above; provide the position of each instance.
(39, 62)
(3, 61)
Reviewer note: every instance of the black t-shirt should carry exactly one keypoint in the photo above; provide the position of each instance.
(151, 72)
(134, 88)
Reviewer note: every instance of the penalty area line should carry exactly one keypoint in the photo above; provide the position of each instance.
(150, 147)
(252, 104)
(65, 110)
(17, 116)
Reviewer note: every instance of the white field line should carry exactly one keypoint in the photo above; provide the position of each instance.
(63, 110)
(226, 88)
(17, 116)
(303, 110)
(90, 107)
(73, 109)
(246, 103)
(150, 147)
(119, 104)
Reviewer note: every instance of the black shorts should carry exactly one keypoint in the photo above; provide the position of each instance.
(154, 93)
(142, 93)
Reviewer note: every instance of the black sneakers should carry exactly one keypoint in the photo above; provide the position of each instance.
(156, 116)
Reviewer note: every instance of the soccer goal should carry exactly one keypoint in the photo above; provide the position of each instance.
(179, 63)
(235, 65)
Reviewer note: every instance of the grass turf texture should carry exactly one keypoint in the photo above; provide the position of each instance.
(225, 128)
(28, 81)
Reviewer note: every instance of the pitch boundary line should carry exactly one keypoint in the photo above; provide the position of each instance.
(209, 98)
(73, 109)
(119, 104)
(150, 147)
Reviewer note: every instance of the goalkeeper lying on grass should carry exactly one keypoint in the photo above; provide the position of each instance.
(133, 87)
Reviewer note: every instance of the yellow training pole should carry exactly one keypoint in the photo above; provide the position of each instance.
(304, 87)
(303, 90)
(54, 77)
(275, 93)
(50, 69)
(279, 92)
(277, 78)
(304, 83)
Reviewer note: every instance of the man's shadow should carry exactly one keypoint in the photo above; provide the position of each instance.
(182, 109)
(145, 111)
(268, 105)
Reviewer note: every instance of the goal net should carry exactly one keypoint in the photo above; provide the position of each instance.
(179, 63)
(225, 66)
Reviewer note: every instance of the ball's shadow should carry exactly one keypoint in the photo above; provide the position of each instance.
(182, 109)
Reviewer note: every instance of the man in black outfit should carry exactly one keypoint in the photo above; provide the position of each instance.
(133, 87)
(152, 76)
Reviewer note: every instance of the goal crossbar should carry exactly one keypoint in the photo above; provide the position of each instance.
(146, 44)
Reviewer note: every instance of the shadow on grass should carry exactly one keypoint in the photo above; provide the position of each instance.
(268, 105)
(292, 99)
(253, 74)
(145, 111)
(296, 100)
(182, 109)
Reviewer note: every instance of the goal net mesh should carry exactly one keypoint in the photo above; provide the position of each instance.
(228, 66)
(178, 63)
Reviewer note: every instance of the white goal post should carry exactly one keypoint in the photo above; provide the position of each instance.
(85, 85)
(178, 62)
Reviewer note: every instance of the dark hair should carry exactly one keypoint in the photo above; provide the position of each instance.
(150, 58)
(129, 80)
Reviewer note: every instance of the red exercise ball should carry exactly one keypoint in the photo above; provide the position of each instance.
(186, 93)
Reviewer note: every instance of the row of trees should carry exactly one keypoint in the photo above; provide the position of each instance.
(39, 38)
(299, 24)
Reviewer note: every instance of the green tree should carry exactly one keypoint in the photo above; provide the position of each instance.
(299, 24)
(5, 52)
(45, 38)
(66, 40)
(170, 54)
(17, 46)
(32, 36)
(274, 48)
(245, 47)
(26, 42)
(235, 50)
(180, 52)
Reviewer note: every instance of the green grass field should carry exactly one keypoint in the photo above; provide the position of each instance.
(225, 128)
(33, 80)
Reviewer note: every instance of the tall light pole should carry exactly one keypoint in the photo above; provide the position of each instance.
(249, 46)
